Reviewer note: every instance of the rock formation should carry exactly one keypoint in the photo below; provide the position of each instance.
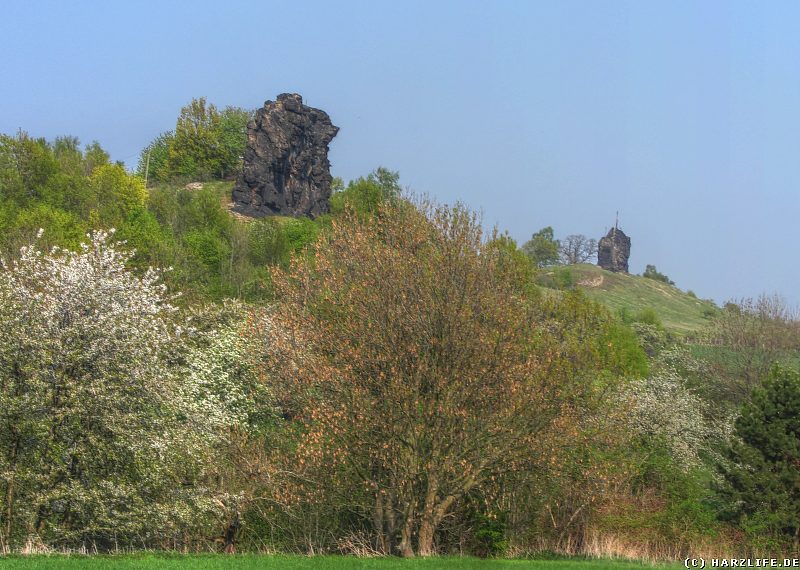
(286, 167)
(614, 250)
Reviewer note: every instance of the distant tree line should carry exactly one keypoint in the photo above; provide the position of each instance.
(544, 250)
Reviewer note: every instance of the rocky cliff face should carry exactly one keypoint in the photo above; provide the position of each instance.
(613, 251)
(286, 167)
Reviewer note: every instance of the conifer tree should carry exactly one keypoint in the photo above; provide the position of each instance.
(762, 478)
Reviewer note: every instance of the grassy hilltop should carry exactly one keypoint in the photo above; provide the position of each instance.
(681, 313)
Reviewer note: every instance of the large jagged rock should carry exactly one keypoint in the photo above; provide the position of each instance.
(614, 250)
(286, 168)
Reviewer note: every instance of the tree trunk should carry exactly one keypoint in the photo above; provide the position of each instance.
(9, 501)
(9, 494)
(405, 547)
(230, 534)
(426, 531)
(433, 515)
(379, 524)
(427, 525)
(391, 522)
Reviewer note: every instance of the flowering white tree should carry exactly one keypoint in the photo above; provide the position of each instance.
(235, 410)
(105, 415)
(664, 408)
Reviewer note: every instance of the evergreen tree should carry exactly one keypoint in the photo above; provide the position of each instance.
(762, 477)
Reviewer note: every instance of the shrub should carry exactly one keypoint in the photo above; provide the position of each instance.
(650, 272)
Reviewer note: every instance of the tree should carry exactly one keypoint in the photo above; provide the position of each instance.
(68, 153)
(117, 194)
(650, 272)
(756, 334)
(194, 152)
(231, 134)
(206, 143)
(237, 408)
(542, 248)
(103, 433)
(154, 159)
(26, 166)
(94, 156)
(406, 348)
(762, 476)
(666, 412)
(577, 248)
(366, 195)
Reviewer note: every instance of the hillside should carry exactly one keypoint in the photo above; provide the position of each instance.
(680, 312)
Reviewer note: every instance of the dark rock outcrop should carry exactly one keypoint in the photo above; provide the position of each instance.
(286, 168)
(614, 250)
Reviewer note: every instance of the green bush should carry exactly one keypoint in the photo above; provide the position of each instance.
(299, 233)
(268, 244)
(490, 534)
(365, 195)
(761, 475)
(564, 278)
(650, 272)
(648, 316)
(207, 247)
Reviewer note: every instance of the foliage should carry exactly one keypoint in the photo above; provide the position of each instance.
(239, 414)
(300, 233)
(517, 260)
(231, 139)
(365, 195)
(573, 468)
(192, 152)
(116, 416)
(117, 193)
(58, 187)
(762, 475)
(648, 316)
(96, 427)
(490, 534)
(93, 157)
(664, 411)
(542, 248)
(434, 398)
(564, 278)
(154, 159)
(420, 370)
(650, 272)
(205, 144)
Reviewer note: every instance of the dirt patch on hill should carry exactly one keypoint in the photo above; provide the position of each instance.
(595, 282)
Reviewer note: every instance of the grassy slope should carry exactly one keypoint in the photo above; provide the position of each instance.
(246, 562)
(681, 313)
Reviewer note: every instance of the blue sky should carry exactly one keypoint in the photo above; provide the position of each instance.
(684, 116)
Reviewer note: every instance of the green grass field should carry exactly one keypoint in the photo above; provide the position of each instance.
(680, 313)
(247, 562)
